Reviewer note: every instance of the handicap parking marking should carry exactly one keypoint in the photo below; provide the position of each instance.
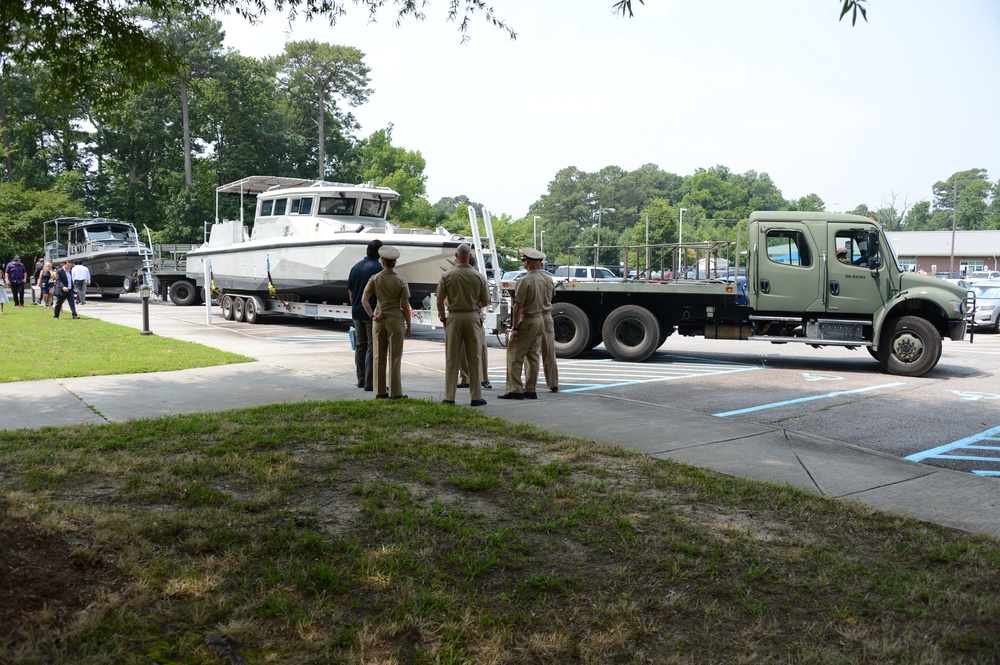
(577, 375)
(310, 339)
(988, 441)
(974, 396)
(810, 398)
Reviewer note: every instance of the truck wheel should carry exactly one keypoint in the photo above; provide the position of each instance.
(631, 333)
(239, 309)
(183, 293)
(572, 327)
(227, 307)
(910, 346)
(251, 312)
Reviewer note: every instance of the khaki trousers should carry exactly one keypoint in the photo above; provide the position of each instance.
(389, 335)
(528, 334)
(463, 336)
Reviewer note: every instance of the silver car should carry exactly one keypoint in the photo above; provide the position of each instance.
(987, 313)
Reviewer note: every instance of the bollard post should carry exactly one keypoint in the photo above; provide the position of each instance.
(144, 292)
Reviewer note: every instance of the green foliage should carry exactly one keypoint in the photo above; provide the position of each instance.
(23, 211)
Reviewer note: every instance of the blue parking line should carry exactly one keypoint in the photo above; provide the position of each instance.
(806, 399)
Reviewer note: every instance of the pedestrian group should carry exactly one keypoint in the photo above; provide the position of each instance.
(381, 312)
(54, 286)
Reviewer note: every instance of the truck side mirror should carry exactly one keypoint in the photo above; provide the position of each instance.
(873, 248)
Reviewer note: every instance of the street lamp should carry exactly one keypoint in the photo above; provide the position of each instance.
(534, 232)
(680, 228)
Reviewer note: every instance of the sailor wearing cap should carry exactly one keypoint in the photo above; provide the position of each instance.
(526, 328)
(391, 321)
(466, 292)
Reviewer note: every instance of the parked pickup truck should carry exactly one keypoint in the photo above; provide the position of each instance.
(798, 288)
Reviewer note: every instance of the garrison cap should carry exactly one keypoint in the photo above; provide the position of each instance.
(388, 253)
(532, 254)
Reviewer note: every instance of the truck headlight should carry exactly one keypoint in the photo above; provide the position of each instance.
(958, 306)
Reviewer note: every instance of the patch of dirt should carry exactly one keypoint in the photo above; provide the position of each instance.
(44, 577)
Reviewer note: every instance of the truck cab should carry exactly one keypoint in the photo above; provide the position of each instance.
(833, 279)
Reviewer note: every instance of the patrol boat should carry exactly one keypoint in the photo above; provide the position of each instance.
(111, 249)
(307, 235)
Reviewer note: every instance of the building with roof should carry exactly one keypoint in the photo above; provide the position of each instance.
(932, 251)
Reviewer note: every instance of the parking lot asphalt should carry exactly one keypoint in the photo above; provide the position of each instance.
(287, 370)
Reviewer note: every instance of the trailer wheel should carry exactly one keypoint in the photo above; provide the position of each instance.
(251, 312)
(227, 307)
(239, 309)
(572, 329)
(183, 293)
(910, 346)
(631, 333)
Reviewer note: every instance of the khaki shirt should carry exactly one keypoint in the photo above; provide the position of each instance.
(464, 287)
(532, 292)
(389, 288)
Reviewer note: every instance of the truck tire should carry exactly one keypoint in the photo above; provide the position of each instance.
(239, 309)
(631, 333)
(910, 346)
(183, 293)
(572, 327)
(251, 311)
(227, 307)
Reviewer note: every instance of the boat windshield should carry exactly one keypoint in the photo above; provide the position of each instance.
(373, 208)
(329, 205)
(104, 233)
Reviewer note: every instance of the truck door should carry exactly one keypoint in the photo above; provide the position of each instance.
(850, 286)
(785, 278)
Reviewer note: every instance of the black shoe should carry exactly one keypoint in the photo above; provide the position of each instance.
(75, 316)
(361, 384)
(385, 396)
(512, 396)
(369, 389)
(478, 402)
(400, 397)
(462, 385)
(487, 385)
(55, 317)
(554, 389)
(530, 395)
(447, 401)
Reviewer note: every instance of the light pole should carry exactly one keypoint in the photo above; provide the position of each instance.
(680, 238)
(534, 232)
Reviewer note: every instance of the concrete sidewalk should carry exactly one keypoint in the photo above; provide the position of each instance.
(290, 372)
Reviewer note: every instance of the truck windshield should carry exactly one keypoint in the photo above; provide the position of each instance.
(889, 251)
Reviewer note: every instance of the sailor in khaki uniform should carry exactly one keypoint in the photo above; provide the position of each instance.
(466, 292)
(526, 327)
(391, 321)
(548, 338)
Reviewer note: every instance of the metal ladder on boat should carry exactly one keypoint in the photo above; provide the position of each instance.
(497, 315)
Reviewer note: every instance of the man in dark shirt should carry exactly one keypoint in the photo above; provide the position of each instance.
(356, 283)
(15, 275)
(34, 281)
(64, 289)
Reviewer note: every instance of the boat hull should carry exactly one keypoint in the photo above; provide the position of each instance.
(318, 270)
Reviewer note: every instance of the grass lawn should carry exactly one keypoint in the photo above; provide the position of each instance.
(413, 532)
(41, 347)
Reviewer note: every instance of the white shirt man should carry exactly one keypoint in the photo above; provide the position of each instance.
(81, 278)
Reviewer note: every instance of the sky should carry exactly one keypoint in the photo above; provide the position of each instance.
(856, 115)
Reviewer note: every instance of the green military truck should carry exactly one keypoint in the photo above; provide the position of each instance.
(823, 279)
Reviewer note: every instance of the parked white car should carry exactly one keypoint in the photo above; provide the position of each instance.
(980, 275)
(585, 273)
